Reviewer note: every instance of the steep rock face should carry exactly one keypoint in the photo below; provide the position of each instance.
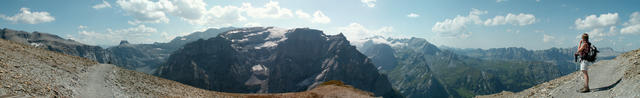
(56, 43)
(272, 60)
(383, 56)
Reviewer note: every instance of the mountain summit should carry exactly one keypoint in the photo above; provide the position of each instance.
(273, 60)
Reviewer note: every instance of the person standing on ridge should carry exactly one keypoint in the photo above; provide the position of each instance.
(587, 56)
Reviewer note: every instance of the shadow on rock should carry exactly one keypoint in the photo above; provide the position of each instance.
(607, 87)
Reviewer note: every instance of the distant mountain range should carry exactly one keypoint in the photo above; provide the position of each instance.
(140, 57)
(243, 60)
(57, 44)
(419, 69)
(148, 57)
(28, 71)
(273, 60)
(560, 57)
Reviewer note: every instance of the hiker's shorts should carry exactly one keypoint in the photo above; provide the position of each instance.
(584, 64)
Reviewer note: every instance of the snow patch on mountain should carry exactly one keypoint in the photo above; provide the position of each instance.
(258, 67)
(276, 35)
(36, 44)
(267, 44)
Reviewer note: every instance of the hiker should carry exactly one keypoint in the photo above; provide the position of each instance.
(587, 54)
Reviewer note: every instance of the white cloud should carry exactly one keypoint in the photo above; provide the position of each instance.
(457, 27)
(501, 1)
(189, 9)
(369, 3)
(104, 4)
(356, 33)
(552, 39)
(593, 21)
(633, 29)
(195, 12)
(517, 31)
(537, 0)
(413, 15)
(252, 24)
(228, 15)
(319, 17)
(147, 11)
(597, 34)
(634, 18)
(221, 16)
(302, 14)
(520, 19)
(547, 38)
(139, 28)
(82, 27)
(599, 26)
(138, 34)
(27, 17)
(270, 10)
(633, 26)
(477, 12)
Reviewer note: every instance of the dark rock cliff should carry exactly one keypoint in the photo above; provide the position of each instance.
(272, 60)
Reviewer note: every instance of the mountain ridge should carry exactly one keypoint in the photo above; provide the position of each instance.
(28, 71)
(263, 59)
(422, 68)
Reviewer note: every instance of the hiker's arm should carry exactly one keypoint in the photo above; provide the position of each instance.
(581, 48)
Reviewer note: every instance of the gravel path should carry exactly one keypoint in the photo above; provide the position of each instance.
(603, 76)
(96, 84)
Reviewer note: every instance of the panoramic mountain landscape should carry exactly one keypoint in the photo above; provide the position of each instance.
(319, 49)
(29, 71)
(273, 60)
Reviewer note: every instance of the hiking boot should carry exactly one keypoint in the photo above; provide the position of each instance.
(584, 90)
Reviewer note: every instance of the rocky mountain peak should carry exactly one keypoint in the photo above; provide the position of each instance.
(272, 60)
(124, 42)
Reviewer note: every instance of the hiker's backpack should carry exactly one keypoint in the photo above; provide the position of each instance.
(591, 54)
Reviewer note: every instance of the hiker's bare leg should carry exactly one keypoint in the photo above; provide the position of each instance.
(586, 78)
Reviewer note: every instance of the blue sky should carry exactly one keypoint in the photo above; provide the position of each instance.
(532, 24)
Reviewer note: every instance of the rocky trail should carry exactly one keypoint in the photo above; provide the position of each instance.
(619, 77)
(96, 84)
